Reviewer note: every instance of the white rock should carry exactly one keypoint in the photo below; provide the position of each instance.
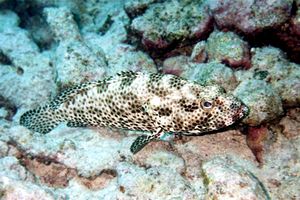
(17, 183)
(29, 80)
(62, 23)
(83, 149)
(153, 183)
(8, 19)
(167, 160)
(75, 61)
(227, 180)
(3, 113)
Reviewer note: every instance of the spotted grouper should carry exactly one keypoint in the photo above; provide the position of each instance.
(165, 105)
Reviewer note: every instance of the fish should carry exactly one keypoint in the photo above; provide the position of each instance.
(163, 106)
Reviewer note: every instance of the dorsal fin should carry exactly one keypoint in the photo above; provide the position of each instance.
(70, 93)
(128, 73)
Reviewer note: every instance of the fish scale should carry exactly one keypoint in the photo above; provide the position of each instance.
(158, 103)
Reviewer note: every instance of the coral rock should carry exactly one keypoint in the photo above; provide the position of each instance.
(250, 16)
(270, 64)
(289, 91)
(75, 62)
(8, 19)
(27, 79)
(291, 124)
(177, 65)
(156, 183)
(263, 101)
(73, 148)
(229, 48)
(166, 159)
(164, 24)
(17, 183)
(134, 8)
(204, 73)
(225, 179)
(199, 54)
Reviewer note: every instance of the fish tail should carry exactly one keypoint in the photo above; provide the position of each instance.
(42, 119)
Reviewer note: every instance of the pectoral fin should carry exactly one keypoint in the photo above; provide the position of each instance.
(143, 140)
(140, 142)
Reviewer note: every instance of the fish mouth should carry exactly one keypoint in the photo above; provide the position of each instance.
(244, 111)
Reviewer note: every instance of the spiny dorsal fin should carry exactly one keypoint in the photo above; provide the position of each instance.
(128, 73)
(69, 94)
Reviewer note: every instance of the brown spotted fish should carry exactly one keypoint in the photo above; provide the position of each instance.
(164, 105)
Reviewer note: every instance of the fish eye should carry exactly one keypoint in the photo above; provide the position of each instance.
(207, 104)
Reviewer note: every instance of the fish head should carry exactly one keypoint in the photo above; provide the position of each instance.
(216, 109)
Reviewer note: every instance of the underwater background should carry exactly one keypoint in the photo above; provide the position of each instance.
(251, 48)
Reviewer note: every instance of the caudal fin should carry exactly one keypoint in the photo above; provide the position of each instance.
(42, 119)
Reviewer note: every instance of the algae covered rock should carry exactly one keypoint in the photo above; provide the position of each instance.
(177, 65)
(289, 91)
(134, 8)
(291, 124)
(75, 63)
(126, 57)
(112, 42)
(164, 24)
(263, 101)
(229, 48)
(281, 159)
(225, 179)
(250, 16)
(62, 23)
(203, 73)
(3, 149)
(100, 16)
(270, 64)
(10, 167)
(273, 62)
(120, 56)
(212, 73)
(288, 34)
(223, 47)
(199, 53)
